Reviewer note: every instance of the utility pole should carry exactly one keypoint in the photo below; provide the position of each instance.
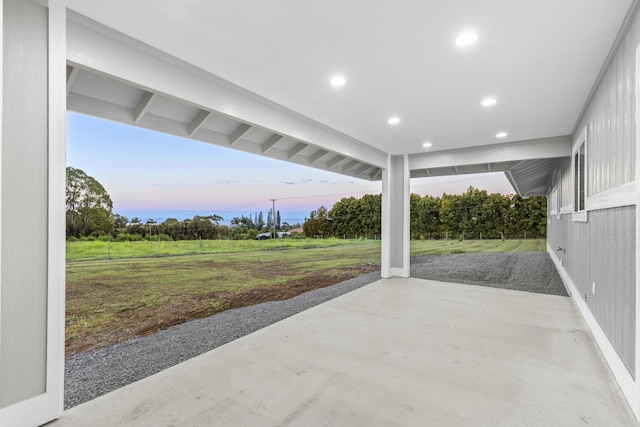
(273, 217)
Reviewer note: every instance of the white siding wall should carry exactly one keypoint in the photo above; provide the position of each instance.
(610, 117)
(24, 203)
(609, 262)
(603, 249)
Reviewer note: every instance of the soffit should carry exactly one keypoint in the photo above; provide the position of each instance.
(539, 59)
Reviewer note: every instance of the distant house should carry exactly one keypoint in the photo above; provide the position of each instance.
(265, 236)
(296, 230)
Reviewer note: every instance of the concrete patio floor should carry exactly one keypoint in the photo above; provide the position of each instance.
(398, 352)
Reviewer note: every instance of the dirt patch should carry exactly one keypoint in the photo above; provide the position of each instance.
(140, 320)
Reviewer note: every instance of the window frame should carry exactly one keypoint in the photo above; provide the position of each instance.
(580, 177)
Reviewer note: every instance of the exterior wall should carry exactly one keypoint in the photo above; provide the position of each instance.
(596, 255)
(610, 117)
(24, 205)
(32, 188)
(609, 262)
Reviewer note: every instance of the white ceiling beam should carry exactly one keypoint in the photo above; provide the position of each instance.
(72, 75)
(295, 150)
(544, 148)
(270, 143)
(337, 159)
(427, 172)
(377, 175)
(198, 121)
(489, 167)
(352, 164)
(238, 133)
(142, 107)
(111, 53)
(317, 156)
(362, 168)
(367, 173)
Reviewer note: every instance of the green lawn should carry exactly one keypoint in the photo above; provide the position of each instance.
(86, 250)
(438, 247)
(138, 292)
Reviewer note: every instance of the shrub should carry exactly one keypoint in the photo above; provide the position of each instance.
(126, 237)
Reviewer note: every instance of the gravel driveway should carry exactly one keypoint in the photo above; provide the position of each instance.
(89, 375)
(521, 271)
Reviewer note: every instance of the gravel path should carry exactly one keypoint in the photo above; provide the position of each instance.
(522, 271)
(97, 372)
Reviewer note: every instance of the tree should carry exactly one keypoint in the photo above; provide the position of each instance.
(270, 219)
(260, 222)
(119, 223)
(473, 214)
(88, 205)
(151, 222)
(135, 226)
(318, 223)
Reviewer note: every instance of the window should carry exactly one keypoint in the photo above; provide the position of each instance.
(579, 166)
(555, 198)
(559, 193)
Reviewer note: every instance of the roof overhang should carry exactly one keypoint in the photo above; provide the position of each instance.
(116, 76)
(527, 164)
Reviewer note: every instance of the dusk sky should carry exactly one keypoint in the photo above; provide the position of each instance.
(153, 175)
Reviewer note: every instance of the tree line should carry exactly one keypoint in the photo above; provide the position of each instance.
(472, 215)
(89, 214)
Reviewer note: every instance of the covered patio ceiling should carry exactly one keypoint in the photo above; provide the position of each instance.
(537, 60)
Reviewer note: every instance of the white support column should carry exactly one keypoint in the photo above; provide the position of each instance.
(634, 398)
(32, 257)
(395, 217)
(56, 274)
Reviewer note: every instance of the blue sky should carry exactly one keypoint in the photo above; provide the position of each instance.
(148, 174)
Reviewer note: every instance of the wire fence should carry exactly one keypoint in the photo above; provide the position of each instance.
(92, 250)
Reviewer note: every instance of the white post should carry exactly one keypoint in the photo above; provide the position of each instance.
(395, 217)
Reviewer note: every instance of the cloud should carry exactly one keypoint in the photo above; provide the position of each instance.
(324, 181)
(289, 182)
(227, 182)
(159, 185)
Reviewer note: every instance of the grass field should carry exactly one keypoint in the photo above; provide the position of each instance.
(141, 292)
(85, 250)
(96, 250)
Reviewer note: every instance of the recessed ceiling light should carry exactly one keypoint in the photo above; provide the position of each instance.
(465, 39)
(487, 102)
(338, 80)
(394, 120)
(426, 144)
(501, 134)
